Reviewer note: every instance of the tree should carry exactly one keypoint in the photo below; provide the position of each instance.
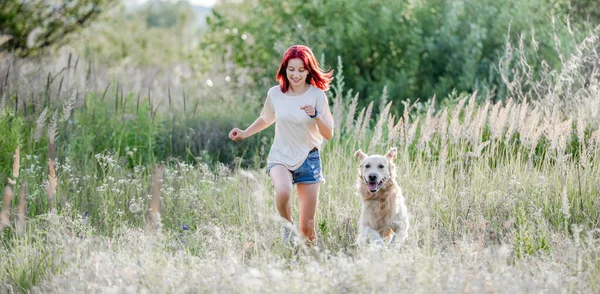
(414, 48)
(32, 25)
(167, 14)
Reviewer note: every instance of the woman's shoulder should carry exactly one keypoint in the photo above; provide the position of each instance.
(275, 90)
(318, 92)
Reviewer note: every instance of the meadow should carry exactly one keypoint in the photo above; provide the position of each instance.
(120, 184)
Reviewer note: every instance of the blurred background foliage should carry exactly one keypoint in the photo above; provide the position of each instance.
(414, 48)
(207, 69)
(38, 24)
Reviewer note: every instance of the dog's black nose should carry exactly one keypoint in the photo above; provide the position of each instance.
(372, 178)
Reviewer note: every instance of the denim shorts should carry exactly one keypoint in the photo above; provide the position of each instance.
(309, 172)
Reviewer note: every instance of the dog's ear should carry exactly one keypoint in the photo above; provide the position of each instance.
(391, 154)
(360, 154)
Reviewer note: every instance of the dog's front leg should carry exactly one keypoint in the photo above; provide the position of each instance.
(368, 234)
(400, 228)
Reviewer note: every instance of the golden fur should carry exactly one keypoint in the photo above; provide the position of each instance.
(383, 215)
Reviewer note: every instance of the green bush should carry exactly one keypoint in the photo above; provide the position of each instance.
(101, 126)
(204, 135)
(416, 50)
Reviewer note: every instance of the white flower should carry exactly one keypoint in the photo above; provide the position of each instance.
(134, 208)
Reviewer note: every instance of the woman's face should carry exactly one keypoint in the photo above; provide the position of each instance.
(296, 72)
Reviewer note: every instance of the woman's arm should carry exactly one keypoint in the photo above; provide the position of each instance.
(325, 130)
(258, 125)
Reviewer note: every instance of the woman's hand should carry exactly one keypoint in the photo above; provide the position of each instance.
(309, 110)
(237, 134)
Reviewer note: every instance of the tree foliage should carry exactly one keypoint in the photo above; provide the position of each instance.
(167, 14)
(414, 48)
(32, 25)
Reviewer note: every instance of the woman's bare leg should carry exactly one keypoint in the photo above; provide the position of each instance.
(281, 178)
(308, 195)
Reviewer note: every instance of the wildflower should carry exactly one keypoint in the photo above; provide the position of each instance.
(134, 208)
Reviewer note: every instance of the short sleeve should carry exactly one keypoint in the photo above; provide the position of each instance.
(323, 109)
(268, 112)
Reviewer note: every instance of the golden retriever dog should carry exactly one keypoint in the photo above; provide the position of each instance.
(384, 215)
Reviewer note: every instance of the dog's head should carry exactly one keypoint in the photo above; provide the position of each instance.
(376, 170)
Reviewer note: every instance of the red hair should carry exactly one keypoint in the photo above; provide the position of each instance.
(316, 76)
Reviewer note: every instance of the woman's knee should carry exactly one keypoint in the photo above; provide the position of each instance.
(283, 193)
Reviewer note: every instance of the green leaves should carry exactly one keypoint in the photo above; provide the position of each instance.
(12, 127)
(37, 24)
(415, 51)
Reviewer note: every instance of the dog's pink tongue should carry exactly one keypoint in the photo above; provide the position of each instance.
(372, 186)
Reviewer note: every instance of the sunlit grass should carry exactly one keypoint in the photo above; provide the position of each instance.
(502, 198)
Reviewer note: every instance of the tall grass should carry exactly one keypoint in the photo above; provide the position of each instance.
(503, 197)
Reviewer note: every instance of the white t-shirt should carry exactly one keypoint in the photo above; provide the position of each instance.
(296, 133)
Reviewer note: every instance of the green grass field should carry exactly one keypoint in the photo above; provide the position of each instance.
(503, 198)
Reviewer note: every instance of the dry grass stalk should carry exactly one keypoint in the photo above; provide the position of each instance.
(494, 119)
(512, 123)
(565, 130)
(5, 214)
(475, 131)
(8, 192)
(469, 111)
(337, 112)
(455, 127)
(443, 157)
(391, 130)
(412, 131)
(557, 131)
(365, 122)
(68, 107)
(523, 115)
(399, 130)
(594, 142)
(39, 125)
(379, 127)
(531, 130)
(429, 126)
(350, 115)
(552, 129)
(565, 207)
(442, 125)
(17, 162)
(51, 188)
(581, 128)
(22, 206)
(154, 222)
(384, 97)
(502, 120)
(358, 123)
(52, 135)
(406, 115)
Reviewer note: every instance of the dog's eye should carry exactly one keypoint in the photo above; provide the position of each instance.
(381, 166)
(368, 166)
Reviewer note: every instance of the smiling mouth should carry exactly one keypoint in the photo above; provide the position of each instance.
(374, 186)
